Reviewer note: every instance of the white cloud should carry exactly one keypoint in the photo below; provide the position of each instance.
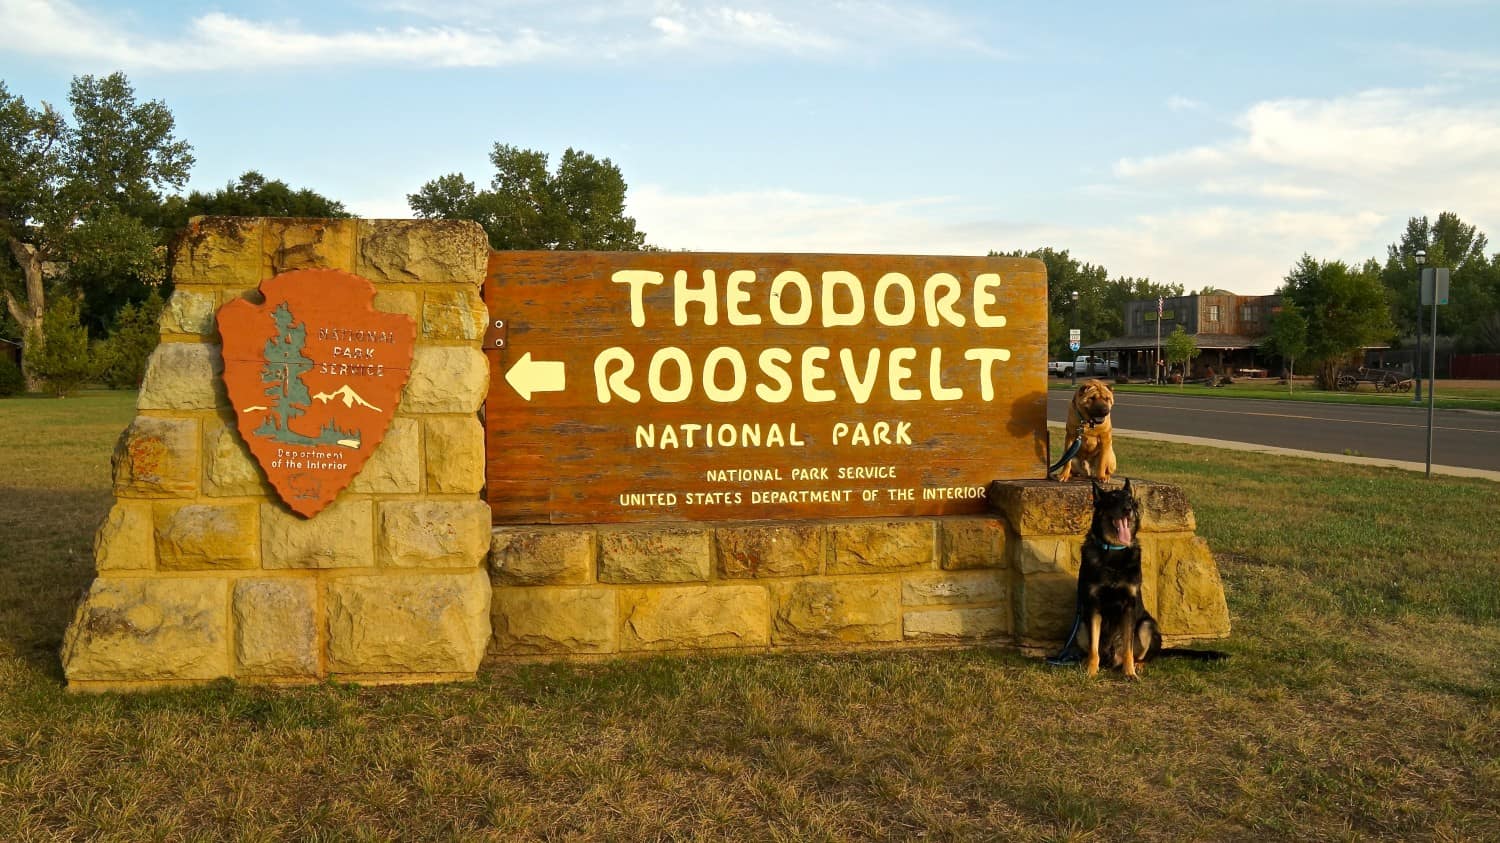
(483, 33)
(218, 41)
(1180, 103)
(1336, 177)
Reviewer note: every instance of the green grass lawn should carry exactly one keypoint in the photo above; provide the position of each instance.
(1451, 395)
(1362, 701)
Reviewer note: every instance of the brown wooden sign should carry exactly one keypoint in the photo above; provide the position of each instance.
(671, 385)
(314, 374)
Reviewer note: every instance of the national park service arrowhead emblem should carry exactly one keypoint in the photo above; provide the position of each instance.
(314, 375)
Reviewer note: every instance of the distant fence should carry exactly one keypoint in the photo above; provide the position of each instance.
(1475, 366)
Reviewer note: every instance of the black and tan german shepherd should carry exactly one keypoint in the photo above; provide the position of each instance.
(1113, 626)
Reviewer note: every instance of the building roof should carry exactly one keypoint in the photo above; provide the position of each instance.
(1205, 342)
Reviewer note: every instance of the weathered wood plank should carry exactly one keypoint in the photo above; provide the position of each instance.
(705, 386)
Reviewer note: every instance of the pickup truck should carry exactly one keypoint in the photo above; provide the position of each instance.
(1086, 366)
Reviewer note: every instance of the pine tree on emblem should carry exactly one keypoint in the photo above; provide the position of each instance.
(285, 366)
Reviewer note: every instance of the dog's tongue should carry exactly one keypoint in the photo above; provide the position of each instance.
(1122, 530)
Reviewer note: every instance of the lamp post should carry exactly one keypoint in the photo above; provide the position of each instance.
(1074, 297)
(1416, 366)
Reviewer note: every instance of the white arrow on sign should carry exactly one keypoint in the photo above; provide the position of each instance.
(529, 376)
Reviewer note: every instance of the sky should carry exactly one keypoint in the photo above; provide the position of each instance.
(1199, 143)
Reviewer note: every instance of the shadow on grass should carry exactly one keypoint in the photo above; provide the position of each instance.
(46, 562)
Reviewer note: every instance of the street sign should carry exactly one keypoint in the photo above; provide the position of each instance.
(641, 386)
(1075, 336)
(1435, 279)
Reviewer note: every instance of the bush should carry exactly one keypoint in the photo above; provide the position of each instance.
(63, 357)
(122, 357)
(11, 381)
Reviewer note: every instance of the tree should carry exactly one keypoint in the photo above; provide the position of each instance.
(1287, 337)
(1473, 292)
(1101, 300)
(1346, 310)
(60, 353)
(67, 190)
(252, 195)
(123, 355)
(580, 206)
(1180, 347)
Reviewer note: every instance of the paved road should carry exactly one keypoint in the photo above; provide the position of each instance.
(1467, 438)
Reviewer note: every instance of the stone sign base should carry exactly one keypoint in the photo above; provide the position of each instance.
(581, 592)
(204, 574)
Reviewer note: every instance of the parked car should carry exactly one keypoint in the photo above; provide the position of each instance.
(1059, 368)
(1089, 366)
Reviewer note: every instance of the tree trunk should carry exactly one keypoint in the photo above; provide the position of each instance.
(28, 315)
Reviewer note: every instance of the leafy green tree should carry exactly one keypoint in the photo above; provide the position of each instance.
(1180, 347)
(1101, 299)
(1346, 310)
(1287, 337)
(581, 205)
(68, 189)
(252, 195)
(65, 360)
(1473, 294)
(123, 355)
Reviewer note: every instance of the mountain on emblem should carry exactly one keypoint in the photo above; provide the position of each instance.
(308, 373)
(346, 394)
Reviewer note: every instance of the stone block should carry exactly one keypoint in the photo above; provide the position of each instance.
(124, 541)
(771, 550)
(157, 457)
(1190, 598)
(446, 379)
(694, 618)
(1164, 508)
(972, 543)
(407, 623)
(422, 252)
(542, 555)
(863, 547)
(408, 302)
(204, 537)
(275, 633)
(141, 629)
(943, 588)
(434, 534)
(396, 466)
(1048, 554)
(183, 376)
(454, 446)
(1045, 608)
(457, 314)
(656, 554)
(341, 536)
(309, 244)
(222, 251)
(228, 467)
(844, 611)
(956, 624)
(555, 621)
(1043, 507)
(190, 311)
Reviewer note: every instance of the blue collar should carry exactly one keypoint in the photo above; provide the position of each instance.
(1107, 546)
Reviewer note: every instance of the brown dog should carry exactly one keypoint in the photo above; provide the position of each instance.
(1088, 416)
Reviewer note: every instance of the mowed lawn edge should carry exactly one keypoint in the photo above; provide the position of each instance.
(1360, 702)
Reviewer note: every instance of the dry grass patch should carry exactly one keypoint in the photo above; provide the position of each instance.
(1361, 703)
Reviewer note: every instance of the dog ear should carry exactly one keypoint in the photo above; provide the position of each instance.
(1127, 485)
(1109, 386)
(1094, 490)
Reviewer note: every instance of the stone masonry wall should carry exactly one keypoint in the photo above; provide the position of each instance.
(591, 591)
(203, 573)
